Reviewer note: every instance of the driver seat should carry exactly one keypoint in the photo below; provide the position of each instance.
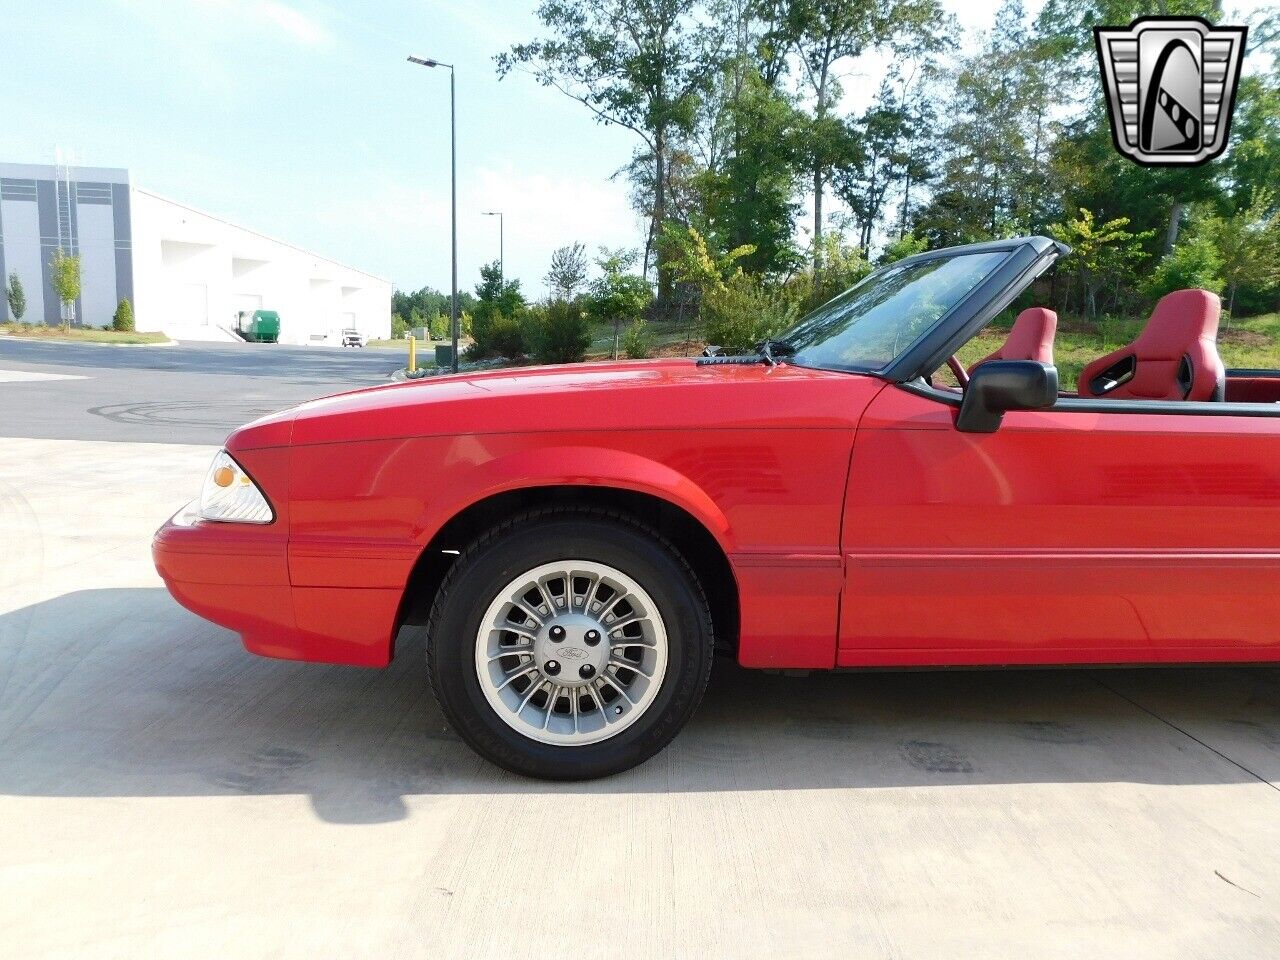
(1174, 358)
(1030, 339)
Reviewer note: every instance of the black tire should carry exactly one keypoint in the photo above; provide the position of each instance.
(544, 536)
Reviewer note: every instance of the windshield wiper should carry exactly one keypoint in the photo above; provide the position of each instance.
(767, 351)
(772, 349)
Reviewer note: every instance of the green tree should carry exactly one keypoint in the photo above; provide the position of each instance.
(642, 65)
(419, 305)
(437, 325)
(1253, 161)
(498, 321)
(1248, 245)
(123, 318)
(991, 177)
(1101, 253)
(1194, 263)
(747, 194)
(618, 295)
(399, 327)
(864, 187)
(64, 271)
(568, 273)
(824, 32)
(16, 296)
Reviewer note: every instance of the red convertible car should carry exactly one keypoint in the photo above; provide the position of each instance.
(578, 541)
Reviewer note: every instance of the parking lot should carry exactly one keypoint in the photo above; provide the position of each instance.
(164, 793)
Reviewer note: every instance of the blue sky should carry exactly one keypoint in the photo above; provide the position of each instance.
(301, 118)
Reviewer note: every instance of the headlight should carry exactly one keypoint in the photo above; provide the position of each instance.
(230, 496)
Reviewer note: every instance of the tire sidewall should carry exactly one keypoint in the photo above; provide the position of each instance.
(452, 641)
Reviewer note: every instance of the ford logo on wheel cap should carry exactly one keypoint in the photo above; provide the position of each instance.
(573, 653)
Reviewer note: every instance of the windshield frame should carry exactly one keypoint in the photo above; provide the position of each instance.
(1026, 258)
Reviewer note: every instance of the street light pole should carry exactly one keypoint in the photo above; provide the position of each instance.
(502, 243)
(453, 163)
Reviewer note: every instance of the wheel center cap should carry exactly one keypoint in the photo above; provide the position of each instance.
(571, 649)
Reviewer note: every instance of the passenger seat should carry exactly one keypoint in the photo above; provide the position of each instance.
(1174, 358)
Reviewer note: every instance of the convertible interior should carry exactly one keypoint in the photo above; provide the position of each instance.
(1175, 357)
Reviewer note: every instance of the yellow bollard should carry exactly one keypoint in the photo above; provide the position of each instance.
(413, 355)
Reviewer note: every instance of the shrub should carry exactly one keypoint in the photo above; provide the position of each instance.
(560, 332)
(842, 266)
(636, 342)
(508, 337)
(497, 335)
(905, 246)
(745, 310)
(1193, 263)
(399, 327)
(123, 319)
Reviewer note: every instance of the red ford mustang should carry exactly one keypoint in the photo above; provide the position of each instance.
(578, 540)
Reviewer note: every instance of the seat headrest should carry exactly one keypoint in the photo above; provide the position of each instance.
(1030, 339)
(1179, 320)
(1032, 335)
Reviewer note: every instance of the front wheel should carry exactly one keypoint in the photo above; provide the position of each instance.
(569, 644)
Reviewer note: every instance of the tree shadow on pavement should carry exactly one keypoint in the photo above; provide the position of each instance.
(120, 693)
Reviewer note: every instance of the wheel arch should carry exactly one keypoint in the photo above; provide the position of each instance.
(701, 546)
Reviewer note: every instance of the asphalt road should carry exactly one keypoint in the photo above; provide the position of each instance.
(186, 393)
(164, 793)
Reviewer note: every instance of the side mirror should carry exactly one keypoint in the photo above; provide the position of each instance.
(1005, 385)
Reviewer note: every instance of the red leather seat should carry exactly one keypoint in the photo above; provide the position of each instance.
(1030, 339)
(1174, 358)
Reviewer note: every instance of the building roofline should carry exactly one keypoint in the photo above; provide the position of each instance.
(259, 233)
(40, 171)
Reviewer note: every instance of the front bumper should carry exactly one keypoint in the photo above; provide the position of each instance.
(236, 575)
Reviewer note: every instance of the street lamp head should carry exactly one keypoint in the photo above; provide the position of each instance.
(422, 61)
(490, 213)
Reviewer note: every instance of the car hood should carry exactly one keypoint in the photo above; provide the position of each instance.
(639, 395)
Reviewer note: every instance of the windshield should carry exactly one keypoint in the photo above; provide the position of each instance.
(871, 325)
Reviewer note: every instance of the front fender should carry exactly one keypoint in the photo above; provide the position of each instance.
(469, 482)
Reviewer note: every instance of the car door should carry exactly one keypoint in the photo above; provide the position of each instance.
(1091, 532)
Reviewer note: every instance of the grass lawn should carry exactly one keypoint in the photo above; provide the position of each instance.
(38, 331)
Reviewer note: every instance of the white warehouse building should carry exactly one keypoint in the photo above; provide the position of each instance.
(187, 273)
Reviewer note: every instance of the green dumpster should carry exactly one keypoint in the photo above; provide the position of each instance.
(444, 355)
(261, 326)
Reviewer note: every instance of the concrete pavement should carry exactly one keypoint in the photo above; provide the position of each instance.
(187, 393)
